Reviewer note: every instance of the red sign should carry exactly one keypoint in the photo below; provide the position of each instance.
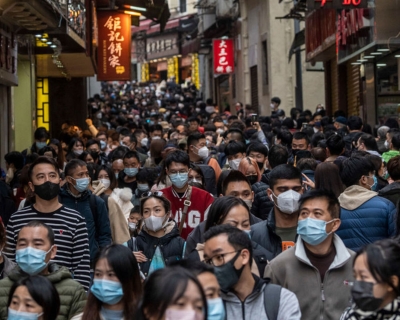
(114, 46)
(336, 4)
(348, 24)
(224, 56)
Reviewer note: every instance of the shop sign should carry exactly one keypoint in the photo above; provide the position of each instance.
(336, 4)
(162, 46)
(224, 56)
(114, 50)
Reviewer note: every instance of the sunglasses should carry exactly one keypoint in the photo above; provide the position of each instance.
(150, 193)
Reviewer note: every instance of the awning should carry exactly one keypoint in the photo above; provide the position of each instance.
(76, 65)
(156, 10)
(298, 41)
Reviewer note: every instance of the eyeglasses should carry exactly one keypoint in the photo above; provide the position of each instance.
(219, 259)
(150, 193)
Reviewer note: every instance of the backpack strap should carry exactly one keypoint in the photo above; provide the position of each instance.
(272, 298)
(207, 160)
(187, 204)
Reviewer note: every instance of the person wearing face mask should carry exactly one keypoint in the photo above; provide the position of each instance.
(73, 253)
(258, 152)
(116, 289)
(127, 177)
(248, 166)
(75, 149)
(300, 142)
(173, 293)
(320, 258)
(366, 217)
(75, 195)
(146, 178)
(14, 164)
(189, 205)
(158, 243)
(279, 231)
(375, 291)
(33, 297)
(391, 191)
(135, 222)
(206, 276)
(233, 211)
(354, 126)
(275, 103)
(393, 146)
(199, 155)
(235, 151)
(41, 136)
(34, 250)
(245, 295)
(103, 186)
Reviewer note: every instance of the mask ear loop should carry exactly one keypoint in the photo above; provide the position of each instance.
(326, 223)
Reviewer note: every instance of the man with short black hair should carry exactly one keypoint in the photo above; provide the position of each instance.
(354, 125)
(392, 190)
(246, 296)
(367, 143)
(258, 152)
(75, 195)
(127, 177)
(130, 142)
(394, 145)
(335, 147)
(71, 235)
(33, 238)
(366, 217)
(320, 259)
(14, 164)
(279, 231)
(189, 205)
(275, 103)
(235, 151)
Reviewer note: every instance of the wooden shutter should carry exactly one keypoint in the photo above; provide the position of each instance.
(353, 89)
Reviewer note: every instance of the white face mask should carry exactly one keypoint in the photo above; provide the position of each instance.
(132, 225)
(154, 223)
(249, 203)
(272, 106)
(144, 142)
(220, 131)
(287, 202)
(203, 152)
(386, 144)
(105, 182)
(234, 164)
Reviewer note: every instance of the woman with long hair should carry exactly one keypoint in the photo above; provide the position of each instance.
(33, 297)
(117, 288)
(173, 293)
(75, 149)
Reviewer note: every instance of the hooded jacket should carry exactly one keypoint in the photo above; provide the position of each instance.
(253, 307)
(365, 217)
(318, 300)
(98, 224)
(390, 154)
(391, 192)
(123, 197)
(72, 295)
(118, 223)
(262, 204)
(171, 245)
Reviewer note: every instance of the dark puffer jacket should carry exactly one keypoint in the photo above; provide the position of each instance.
(171, 246)
(262, 204)
(72, 295)
(391, 192)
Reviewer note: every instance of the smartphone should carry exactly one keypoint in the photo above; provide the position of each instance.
(305, 125)
(254, 118)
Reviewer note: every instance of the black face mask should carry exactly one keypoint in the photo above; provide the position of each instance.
(252, 179)
(47, 191)
(294, 152)
(261, 165)
(363, 296)
(227, 274)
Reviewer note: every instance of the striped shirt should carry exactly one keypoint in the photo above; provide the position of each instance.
(71, 238)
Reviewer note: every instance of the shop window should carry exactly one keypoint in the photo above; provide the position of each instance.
(264, 63)
(182, 6)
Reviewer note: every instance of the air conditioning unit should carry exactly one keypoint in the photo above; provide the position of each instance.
(317, 66)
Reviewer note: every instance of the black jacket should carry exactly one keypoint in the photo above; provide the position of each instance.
(262, 204)
(171, 247)
(264, 234)
(391, 192)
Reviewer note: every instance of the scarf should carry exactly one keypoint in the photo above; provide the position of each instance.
(389, 312)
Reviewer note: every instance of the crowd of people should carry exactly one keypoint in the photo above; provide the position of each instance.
(169, 207)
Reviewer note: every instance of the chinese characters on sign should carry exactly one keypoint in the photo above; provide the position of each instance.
(336, 4)
(114, 44)
(224, 56)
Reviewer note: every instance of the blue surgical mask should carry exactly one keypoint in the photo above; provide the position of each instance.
(20, 315)
(31, 260)
(116, 175)
(81, 184)
(40, 145)
(179, 179)
(143, 187)
(103, 144)
(109, 292)
(313, 231)
(375, 184)
(216, 309)
(248, 232)
(131, 172)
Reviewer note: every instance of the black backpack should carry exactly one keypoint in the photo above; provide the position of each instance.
(209, 176)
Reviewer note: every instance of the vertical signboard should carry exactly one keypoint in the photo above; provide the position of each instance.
(114, 46)
(224, 56)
